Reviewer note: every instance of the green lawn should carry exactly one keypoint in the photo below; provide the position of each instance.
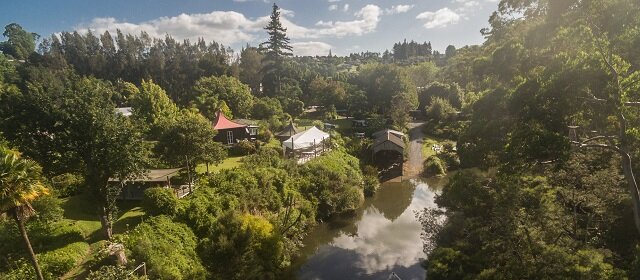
(228, 163)
(81, 211)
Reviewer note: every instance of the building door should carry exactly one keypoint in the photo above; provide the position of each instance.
(229, 137)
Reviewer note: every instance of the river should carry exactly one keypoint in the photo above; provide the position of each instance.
(382, 237)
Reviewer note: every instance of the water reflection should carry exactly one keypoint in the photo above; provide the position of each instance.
(383, 237)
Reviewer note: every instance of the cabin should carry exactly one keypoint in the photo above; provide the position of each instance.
(133, 189)
(229, 132)
(252, 128)
(388, 153)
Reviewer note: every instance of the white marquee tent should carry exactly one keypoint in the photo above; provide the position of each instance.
(305, 139)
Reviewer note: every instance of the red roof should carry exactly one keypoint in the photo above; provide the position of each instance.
(221, 122)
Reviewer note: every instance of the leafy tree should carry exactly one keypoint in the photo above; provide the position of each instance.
(209, 91)
(189, 141)
(20, 185)
(20, 44)
(440, 110)
(381, 83)
(276, 49)
(153, 108)
(251, 69)
(83, 136)
(266, 107)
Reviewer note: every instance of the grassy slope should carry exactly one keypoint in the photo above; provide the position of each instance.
(228, 163)
(82, 212)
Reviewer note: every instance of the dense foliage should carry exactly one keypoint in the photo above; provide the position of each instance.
(549, 105)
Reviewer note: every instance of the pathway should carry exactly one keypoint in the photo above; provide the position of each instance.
(413, 166)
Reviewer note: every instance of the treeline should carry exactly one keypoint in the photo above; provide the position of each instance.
(174, 65)
(554, 119)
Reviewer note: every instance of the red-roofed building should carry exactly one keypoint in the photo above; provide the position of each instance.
(228, 132)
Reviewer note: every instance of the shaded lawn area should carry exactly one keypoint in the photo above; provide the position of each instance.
(228, 163)
(82, 211)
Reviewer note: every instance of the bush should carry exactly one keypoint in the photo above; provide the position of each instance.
(53, 263)
(440, 110)
(60, 261)
(371, 182)
(244, 246)
(67, 184)
(112, 272)
(244, 148)
(160, 201)
(168, 248)
(451, 159)
(334, 182)
(434, 166)
(48, 209)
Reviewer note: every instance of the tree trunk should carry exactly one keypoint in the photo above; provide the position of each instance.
(105, 221)
(633, 187)
(207, 167)
(25, 237)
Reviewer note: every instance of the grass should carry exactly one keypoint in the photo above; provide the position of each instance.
(228, 163)
(81, 211)
(427, 143)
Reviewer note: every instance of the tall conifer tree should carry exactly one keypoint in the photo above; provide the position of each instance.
(276, 50)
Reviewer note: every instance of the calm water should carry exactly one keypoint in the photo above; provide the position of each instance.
(382, 237)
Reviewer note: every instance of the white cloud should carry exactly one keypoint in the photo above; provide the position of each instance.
(439, 18)
(368, 18)
(229, 28)
(399, 9)
(345, 8)
(468, 6)
(333, 1)
(311, 48)
(333, 7)
(224, 27)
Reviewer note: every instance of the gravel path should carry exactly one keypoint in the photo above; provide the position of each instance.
(413, 166)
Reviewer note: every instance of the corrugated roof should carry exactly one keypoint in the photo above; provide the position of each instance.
(153, 175)
(388, 136)
(221, 122)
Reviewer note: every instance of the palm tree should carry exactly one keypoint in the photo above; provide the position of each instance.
(20, 184)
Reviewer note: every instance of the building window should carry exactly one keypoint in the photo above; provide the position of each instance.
(229, 137)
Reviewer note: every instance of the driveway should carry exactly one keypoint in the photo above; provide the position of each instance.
(413, 166)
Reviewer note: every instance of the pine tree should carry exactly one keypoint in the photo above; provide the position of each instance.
(276, 50)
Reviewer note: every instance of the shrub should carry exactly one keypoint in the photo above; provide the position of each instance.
(48, 209)
(244, 148)
(243, 246)
(168, 248)
(67, 184)
(60, 261)
(371, 182)
(434, 166)
(111, 272)
(53, 263)
(451, 159)
(334, 182)
(160, 201)
(440, 110)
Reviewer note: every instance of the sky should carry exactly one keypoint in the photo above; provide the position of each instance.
(314, 26)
